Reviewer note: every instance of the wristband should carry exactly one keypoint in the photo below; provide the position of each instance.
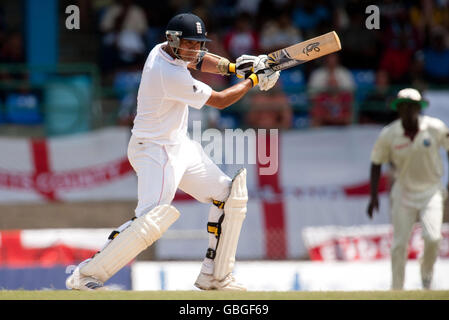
(254, 79)
(223, 66)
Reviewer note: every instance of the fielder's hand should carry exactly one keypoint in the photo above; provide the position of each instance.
(372, 206)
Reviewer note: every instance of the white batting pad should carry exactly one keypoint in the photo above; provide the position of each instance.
(141, 233)
(235, 213)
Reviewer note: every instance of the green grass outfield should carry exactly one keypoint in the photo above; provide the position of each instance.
(220, 295)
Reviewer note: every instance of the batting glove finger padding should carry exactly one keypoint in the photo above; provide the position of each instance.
(244, 65)
(260, 63)
(267, 78)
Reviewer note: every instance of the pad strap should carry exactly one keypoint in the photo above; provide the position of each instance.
(219, 204)
(116, 232)
(211, 253)
(215, 229)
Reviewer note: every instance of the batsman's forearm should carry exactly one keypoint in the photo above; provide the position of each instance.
(212, 63)
(229, 96)
(374, 179)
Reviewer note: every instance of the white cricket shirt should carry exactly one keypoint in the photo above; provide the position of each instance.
(418, 164)
(166, 90)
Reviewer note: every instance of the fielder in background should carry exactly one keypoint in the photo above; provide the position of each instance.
(164, 157)
(412, 145)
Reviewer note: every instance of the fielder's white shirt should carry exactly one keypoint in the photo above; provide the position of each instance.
(166, 90)
(418, 164)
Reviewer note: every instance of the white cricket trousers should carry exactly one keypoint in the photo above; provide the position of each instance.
(161, 169)
(403, 218)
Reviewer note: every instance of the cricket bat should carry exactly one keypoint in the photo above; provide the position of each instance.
(304, 51)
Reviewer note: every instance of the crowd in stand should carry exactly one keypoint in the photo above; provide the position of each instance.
(411, 47)
(15, 92)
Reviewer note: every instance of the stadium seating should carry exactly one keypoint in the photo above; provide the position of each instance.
(23, 108)
(364, 80)
(66, 100)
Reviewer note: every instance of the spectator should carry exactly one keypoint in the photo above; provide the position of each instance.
(269, 9)
(420, 16)
(332, 76)
(375, 107)
(434, 60)
(341, 18)
(361, 46)
(307, 16)
(428, 13)
(397, 60)
(331, 91)
(270, 109)
(12, 50)
(221, 14)
(279, 33)
(2, 25)
(157, 13)
(399, 29)
(249, 6)
(390, 10)
(123, 25)
(126, 84)
(242, 38)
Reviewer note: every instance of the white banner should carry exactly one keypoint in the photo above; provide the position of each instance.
(363, 243)
(289, 276)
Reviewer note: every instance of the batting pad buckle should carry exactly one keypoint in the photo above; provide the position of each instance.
(211, 253)
(218, 204)
(214, 228)
(113, 235)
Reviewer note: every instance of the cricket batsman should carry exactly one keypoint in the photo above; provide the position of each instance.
(412, 144)
(165, 158)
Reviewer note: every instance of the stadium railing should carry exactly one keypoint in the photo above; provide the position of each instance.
(69, 98)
